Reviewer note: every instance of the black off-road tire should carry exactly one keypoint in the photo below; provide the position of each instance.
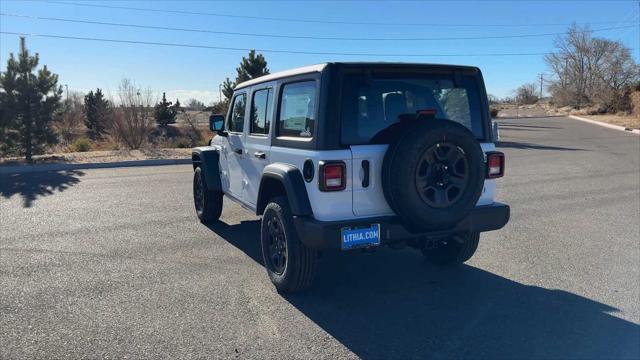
(300, 266)
(401, 163)
(208, 203)
(455, 251)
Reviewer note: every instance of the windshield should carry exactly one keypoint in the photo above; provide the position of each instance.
(372, 103)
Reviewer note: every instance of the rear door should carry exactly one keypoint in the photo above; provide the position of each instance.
(373, 101)
(258, 141)
(368, 195)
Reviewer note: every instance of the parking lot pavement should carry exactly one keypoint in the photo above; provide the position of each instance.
(113, 263)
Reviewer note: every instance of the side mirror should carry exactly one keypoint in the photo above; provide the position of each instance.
(216, 123)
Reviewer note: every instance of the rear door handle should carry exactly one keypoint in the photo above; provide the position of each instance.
(365, 168)
(260, 155)
(238, 151)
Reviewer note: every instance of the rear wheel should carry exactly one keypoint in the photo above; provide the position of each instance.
(456, 249)
(208, 203)
(291, 265)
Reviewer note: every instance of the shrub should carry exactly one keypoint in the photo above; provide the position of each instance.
(81, 144)
(182, 142)
(635, 102)
(494, 112)
(132, 121)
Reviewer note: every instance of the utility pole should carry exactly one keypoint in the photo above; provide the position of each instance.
(219, 92)
(541, 80)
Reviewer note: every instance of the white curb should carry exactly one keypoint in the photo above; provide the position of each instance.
(610, 126)
(21, 169)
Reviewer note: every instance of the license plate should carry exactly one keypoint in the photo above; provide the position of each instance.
(361, 236)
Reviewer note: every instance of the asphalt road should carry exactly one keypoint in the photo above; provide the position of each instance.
(113, 263)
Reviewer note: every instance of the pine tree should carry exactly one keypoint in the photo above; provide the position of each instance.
(29, 103)
(96, 110)
(251, 67)
(227, 89)
(177, 106)
(165, 113)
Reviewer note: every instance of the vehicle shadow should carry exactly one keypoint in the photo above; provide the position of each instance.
(512, 117)
(392, 304)
(510, 126)
(244, 236)
(30, 186)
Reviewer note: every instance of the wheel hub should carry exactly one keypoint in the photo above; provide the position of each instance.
(442, 175)
(277, 246)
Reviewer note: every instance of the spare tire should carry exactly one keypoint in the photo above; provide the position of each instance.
(433, 174)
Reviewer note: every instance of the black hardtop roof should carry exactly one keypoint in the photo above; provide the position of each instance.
(356, 65)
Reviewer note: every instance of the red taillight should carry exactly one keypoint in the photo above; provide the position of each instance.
(495, 164)
(426, 112)
(333, 176)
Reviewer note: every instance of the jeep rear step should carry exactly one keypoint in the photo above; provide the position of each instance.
(326, 234)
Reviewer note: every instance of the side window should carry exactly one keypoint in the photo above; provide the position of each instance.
(236, 123)
(297, 110)
(261, 110)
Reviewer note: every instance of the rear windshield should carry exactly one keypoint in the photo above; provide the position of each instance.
(372, 103)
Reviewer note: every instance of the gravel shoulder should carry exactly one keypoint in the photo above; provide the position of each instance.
(632, 122)
(101, 156)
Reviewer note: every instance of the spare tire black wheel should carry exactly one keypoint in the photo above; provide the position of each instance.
(433, 174)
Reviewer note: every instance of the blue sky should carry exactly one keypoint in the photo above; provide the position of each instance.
(189, 72)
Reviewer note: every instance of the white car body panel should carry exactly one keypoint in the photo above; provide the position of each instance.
(326, 206)
(369, 201)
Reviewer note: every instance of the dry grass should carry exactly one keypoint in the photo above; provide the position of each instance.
(628, 121)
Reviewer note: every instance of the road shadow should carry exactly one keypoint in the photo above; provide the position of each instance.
(513, 117)
(524, 126)
(530, 146)
(31, 186)
(244, 236)
(393, 305)
(519, 127)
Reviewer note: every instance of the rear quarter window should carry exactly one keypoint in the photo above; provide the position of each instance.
(297, 114)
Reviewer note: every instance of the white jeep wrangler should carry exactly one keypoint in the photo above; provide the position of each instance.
(355, 155)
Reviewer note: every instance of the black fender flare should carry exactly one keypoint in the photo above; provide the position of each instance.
(207, 158)
(291, 180)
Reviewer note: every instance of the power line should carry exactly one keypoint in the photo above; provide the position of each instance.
(318, 21)
(129, 25)
(199, 46)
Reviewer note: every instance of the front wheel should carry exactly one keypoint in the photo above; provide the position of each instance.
(208, 203)
(291, 265)
(456, 249)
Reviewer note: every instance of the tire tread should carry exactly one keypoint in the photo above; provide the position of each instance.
(301, 260)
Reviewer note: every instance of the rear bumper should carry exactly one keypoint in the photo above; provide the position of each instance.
(326, 234)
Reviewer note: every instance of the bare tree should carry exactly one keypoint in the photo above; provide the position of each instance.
(133, 119)
(194, 104)
(570, 65)
(526, 94)
(589, 70)
(71, 119)
(192, 127)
